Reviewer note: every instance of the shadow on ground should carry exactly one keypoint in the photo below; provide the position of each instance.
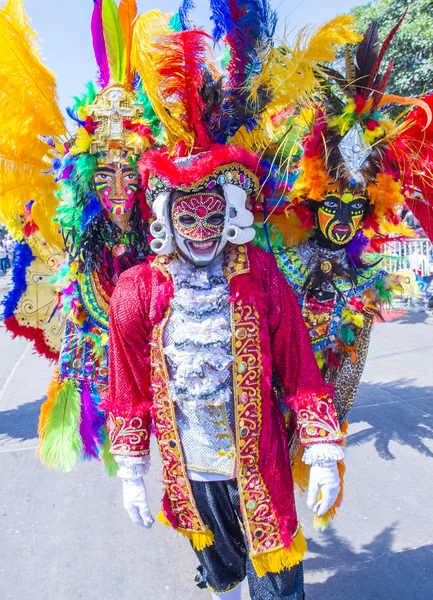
(414, 317)
(376, 572)
(21, 423)
(405, 416)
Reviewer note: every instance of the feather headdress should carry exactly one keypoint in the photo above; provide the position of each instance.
(112, 32)
(351, 140)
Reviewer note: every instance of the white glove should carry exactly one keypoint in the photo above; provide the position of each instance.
(135, 502)
(324, 476)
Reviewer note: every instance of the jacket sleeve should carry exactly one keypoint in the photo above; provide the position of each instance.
(295, 366)
(129, 397)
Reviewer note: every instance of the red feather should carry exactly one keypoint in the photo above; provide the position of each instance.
(414, 149)
(184, 174)
(383, 50)
(380, 85)
(33, 334)
(183, 58)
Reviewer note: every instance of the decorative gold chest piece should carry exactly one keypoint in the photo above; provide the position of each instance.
(326, 266)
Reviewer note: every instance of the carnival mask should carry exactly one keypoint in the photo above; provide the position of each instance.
(116, 186)
(339, 216)
(198, 221)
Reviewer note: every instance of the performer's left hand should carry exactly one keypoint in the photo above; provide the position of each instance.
(324, 477)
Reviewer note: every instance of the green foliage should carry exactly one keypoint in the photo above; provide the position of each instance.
(412, 47)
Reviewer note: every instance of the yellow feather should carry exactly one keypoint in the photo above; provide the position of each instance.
(290, 71)
(144, 59)
(83, 141)
(28, 108)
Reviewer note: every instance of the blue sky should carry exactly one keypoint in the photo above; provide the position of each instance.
(64, 30)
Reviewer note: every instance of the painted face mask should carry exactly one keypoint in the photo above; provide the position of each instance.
(198, 226)
(339, 216)
(116, 186)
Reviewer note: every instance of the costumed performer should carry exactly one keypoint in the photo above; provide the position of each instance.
(199, 333)
(348, 190)
(102, 216)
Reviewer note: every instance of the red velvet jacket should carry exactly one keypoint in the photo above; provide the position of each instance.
(269, 340)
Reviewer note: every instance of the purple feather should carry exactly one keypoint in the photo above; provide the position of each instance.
(88, 417)
(99, 44)
(99, 421)
(355, 249)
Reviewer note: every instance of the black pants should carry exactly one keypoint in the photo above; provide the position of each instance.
(225, 564)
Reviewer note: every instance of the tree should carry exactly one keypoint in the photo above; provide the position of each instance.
(412, 47)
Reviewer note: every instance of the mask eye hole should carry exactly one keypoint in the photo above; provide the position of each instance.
(357, 205)
(186, 220)
(103, 177)
(332, 202)
(216, 219)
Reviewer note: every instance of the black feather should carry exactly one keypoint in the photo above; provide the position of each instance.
(366, 55)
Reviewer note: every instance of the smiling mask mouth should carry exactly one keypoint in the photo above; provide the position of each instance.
(204, 248)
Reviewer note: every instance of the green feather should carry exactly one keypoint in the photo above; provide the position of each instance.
(114, 41)
(61, 445)
(87, 98)
(84, 171)
(111, 465)
(384, 293)
(175, 23)
(347, 335)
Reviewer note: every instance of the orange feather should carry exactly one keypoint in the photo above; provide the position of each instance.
(48, 404)
(128, 13)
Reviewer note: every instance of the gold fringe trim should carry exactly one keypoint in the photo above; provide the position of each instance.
(283, 558)
(200, 539)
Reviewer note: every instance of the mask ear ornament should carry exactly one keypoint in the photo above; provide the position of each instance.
(160, 229)
(239, 220)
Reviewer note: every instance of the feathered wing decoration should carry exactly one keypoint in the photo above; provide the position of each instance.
(99, 47)
(114, 41)
(290, 73)
(31, 307)
(128, 13)
(28, 108)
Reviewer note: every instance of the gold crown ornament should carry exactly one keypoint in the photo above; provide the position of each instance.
(114, 105)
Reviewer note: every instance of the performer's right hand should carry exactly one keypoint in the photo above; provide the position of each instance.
(135, 502)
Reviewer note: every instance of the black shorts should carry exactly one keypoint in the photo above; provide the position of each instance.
(225, 564)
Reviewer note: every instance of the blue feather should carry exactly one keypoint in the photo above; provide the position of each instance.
(184, 14)
(92, 210)
(248, 26)
(23, 257)
(74, 117)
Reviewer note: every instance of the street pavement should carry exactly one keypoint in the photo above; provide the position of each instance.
(67, 537)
